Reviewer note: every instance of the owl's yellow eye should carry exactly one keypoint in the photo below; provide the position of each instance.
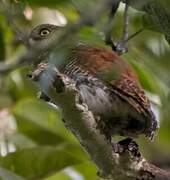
(44, 32)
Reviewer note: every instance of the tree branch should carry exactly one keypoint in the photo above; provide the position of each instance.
(116, 161)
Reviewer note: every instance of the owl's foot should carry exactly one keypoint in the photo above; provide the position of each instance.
(126, 145)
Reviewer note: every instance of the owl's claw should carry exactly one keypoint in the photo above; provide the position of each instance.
(121, 48)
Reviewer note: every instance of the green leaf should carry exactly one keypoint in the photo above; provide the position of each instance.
(145, 75)
(61, 175)
(149, 22)
(38, 162)
(41, 122)
(90, 35)
(21, 141)
(145, 78)
(87, 170)
(7, 175)
(83, 171)
(19, 85)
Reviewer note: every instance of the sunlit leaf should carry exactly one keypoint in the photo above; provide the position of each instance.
(38, 162)
(87, 170)
(83, 171)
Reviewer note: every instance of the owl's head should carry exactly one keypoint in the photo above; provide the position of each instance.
(42, 34)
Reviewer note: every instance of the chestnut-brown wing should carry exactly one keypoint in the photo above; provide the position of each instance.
(108, 67)
(115, 72)
(130, 90)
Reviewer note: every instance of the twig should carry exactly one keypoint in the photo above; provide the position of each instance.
(126, 23)
(135, 34)
(108, 27)
(119, 47)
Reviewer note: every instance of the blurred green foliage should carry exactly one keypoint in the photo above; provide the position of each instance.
(44, 148)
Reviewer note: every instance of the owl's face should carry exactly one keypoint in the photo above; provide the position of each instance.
(42, 34)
